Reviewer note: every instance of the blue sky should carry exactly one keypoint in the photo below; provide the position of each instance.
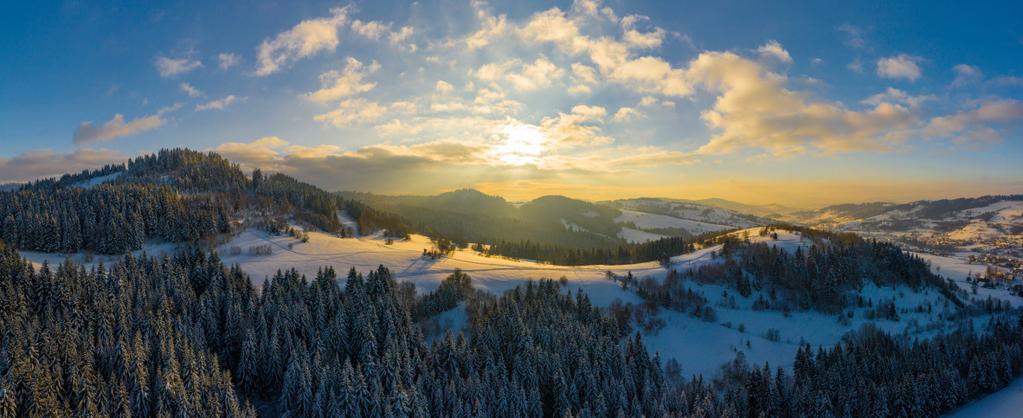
(797, 103)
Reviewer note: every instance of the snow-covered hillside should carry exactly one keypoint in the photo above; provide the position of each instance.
(1007, 402)
(704, 214)
(986, 225)
(646, 221)
(649, 219)
(700, 345)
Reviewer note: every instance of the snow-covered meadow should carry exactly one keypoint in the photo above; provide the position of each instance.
(700, 346)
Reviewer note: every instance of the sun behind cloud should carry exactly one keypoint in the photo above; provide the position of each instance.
(522, 144)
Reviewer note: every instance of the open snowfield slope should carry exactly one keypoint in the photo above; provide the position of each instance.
(405, 260)
(637, 236)
(95, 181)
(701, 347)
(1007, 402)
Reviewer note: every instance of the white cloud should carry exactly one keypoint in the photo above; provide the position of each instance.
(584, 78)
(404, 107)
(379, 31)
(348, 82)
(190, 90)
(646, 74)
(650, 101)
(521, 76)
(538, 74)
(773, 49)
(642, 40)
(893, 95)
(587, 7)
(1007, 81)
(855, 66)
(228, 60)
(447, 107)
(491, 27)
(590, 112)
(966, 74)
(370, 30)
(37, 164)
(219, 104)
(755, 110)
(307, 38)
(172, 67)
(493, 101)
(260, 152)
(625, 114)
(353, 112)
(571, 130)
(117, 127)
(974, 124)
(899, 66)
(399, 37)
(853, 36)
(443, 87)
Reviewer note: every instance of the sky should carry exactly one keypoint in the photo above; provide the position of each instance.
(802, 104)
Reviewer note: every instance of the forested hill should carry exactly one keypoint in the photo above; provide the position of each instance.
(469, 216)
(174, 195)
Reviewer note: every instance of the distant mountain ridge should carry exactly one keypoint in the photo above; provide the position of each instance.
(986, 224)
(716, 211)
(470, 216)
(835, 215)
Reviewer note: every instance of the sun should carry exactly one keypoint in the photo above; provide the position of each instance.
(521, 145)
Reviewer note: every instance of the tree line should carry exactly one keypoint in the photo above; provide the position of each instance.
(660, 250)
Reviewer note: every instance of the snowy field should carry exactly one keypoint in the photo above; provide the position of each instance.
(636, 236)
(958, 269)
(406, 262)
(1007, 402)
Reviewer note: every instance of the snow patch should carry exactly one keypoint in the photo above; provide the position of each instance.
(1007, 402)
(636, 236)
(95, 181)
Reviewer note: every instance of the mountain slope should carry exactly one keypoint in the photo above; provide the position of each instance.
(469, 216)
(985, 224)
(692, 211)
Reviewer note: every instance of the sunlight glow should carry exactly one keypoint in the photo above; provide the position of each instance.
(522, 145)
